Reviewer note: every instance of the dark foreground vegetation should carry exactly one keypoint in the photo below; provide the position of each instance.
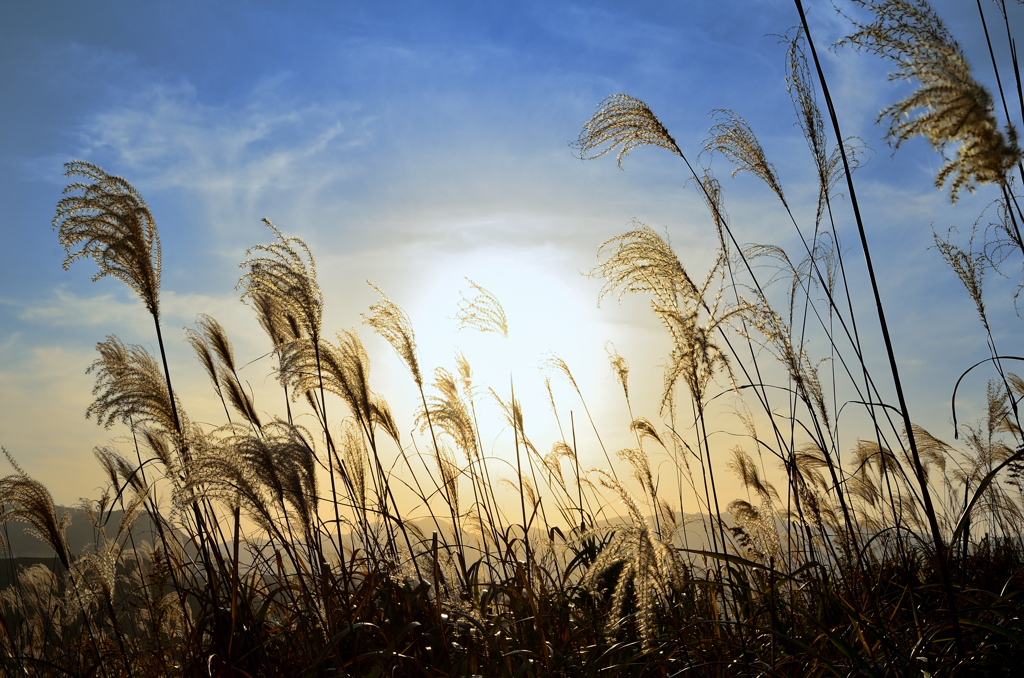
(283, 550)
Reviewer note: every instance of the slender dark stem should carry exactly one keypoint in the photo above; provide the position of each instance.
(167, 375)
(328, 439)
(940, 546)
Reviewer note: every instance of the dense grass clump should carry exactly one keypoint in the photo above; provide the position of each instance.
(271, 548)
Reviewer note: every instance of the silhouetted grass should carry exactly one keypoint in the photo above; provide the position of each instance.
(891, 554)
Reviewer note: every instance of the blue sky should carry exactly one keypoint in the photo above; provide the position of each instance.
(412, 144)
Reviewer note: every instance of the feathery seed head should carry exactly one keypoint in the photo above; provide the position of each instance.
(110, 222)
(238, 397)
(969, 267)
(732, 137)
(26, 499)
(275, 319)
(217, 339)
(286, 272)
(130, 387)
(465, 372)
(552, 462)
(449, 413)
(482, 313)
(198, 343)
(625, 123)
(393, 324)
(355, 457)
(643, 428)
(619, 366)
(950, 108)
(558, 366)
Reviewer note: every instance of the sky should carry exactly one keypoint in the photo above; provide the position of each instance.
(414, 145)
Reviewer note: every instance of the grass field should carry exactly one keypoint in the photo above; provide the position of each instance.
(341, 548)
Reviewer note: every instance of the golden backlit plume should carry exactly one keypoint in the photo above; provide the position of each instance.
(282, 279)
(391, 322)
(483, 312)
(625, 123)
(130, 388)
(950, 108)
(732, 137)
(110, 222)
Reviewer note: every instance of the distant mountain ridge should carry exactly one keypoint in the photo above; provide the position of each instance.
(81, 535)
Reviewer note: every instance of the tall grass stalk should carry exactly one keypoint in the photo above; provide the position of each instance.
(884, 551)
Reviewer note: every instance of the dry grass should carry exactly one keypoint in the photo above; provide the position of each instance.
(837, 562)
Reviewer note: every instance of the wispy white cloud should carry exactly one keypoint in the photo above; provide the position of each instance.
(170, 138)
(64, 309)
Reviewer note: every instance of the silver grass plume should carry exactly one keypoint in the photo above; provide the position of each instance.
(934, 452)
(94, 509)
(284, 458)
(355, 457)
(198, 343)
(641, 465)
(124, 475)
(803, 373)
(552, 462)
(161, 610)
(281, 277)
(860, 482)
(648, 563)
(156, 442)
(25, 499)
(110, 222)
(969, 267)
(984, 447)
(711, 193)
(274, 318)
(950, 108)
(393, 324)
(625, 123)
(802, 90)
(239, 399)
(640, 261)
(449, 471)
(94, 577)
(643, 428)
(755, 524)
(619, 366)
(732, 137)
(224, 475)
(282, 327)
(130, 388)
(212, 340)
(558, 366)
(450, 414)
(278, 465)
(119, 470)
(346, 370)
(868, 455)
(529, 493)
(482, 312)
(381, 417)
(465, 373)
(755, 529)
(809, 459)
(514, 417)
(37, 597)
